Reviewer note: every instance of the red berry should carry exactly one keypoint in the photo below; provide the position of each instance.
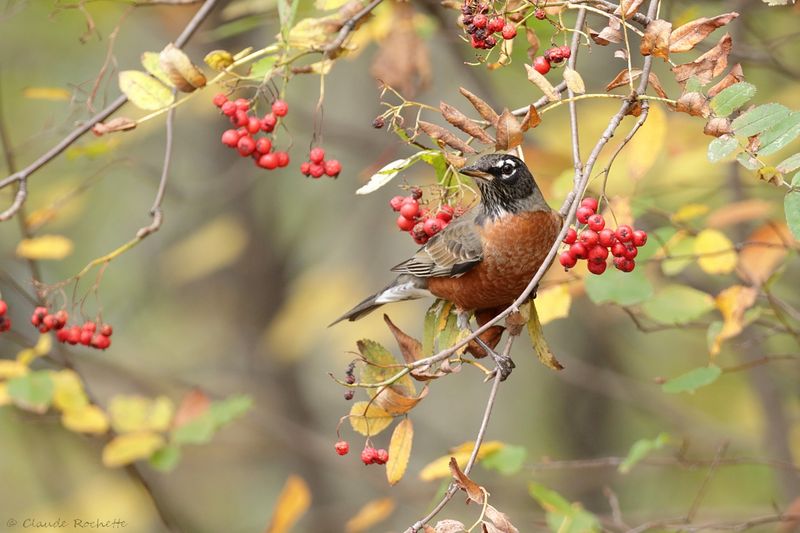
(86, 337)
(432, 226)
(242, 104)
(476, 43)
(62, 335)
(268, 161)
(509, 32)
(618, 249)
(480, 20)
(541, 65)
(553, 54)
(263, 145)
(396, 202)
(316, 155)
(410, 208)
(405, 224)
(332, 168)
(589, 238)
(269, 122)
(246, 146)
(89, 326)
(3, 307)
(230, 138)
(623, 264)
(316, 170)
(591, 203)
(228, 109)
(219, 99)
(583, 213)
(597, 254)
(639, 238)
(280, 108)
(416, 193)
(496, 24)
(342, 447)
(489, 43)
(49, 321)
(101, 342)
(61, 319)
(305, 168)
(445, 213)
(240, 119)
(571, 236)
(382, 456)
(5, 323)
(74, 336)
(253, 125)
(565, 52)
(578, 251)
(631, 251)
(607, 237)
(419, 239)
(368, 455)
(540, 14)
(566, 260)
(106, 330)
(597, 268)
(624, 233)
(596, 222)
(283, 158)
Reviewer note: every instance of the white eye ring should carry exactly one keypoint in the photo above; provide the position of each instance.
(507, 168)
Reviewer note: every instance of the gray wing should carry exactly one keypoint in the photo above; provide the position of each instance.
(453, 251)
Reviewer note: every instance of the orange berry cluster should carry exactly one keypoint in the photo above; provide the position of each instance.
(88, 334)
(420, 223)
(242, 137)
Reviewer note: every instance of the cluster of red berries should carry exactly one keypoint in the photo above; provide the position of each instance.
(482, 26)
(316, 166)
(420, 223)
(370, 455)
(540, 13)
(595, 242)
(5, 322)
(243, 139)
(550, 57)
(350, 378)
(86, 334)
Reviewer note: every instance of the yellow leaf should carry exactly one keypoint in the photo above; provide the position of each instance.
(125, 449)
(46, 93)
(88, 419)
(143, 91)
(732, 303)
(293, 501)
(218, 59)
(647, 144)
(715, 252)
(45, 247)
(757, 263)
(574, 80)
(328, 5)
(679, 246)
(539, 342)
(554, 303)
(43, 346)
(399, 451)
(689, 212)
(12, 369)
(5, 399)
(138, 413)
(372, 513)
(440, 468)
(214, 246)
(369, 419)
(68, 392)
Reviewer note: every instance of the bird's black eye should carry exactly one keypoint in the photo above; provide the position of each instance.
(507, 169)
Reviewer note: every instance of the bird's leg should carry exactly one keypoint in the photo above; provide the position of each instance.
(504, 363)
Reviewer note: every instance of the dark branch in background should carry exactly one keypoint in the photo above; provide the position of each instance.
(21, 177)
(348, 27)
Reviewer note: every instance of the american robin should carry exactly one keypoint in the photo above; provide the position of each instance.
(484, 259)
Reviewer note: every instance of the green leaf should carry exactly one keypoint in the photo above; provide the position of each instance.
(641, 449)
(759, 119)
(166, 458)
(389, 171)
(722, 147)
(508, 460)
(780, 135)
(789, 164)
(791, 207)
(747, 161)
(435, 320)
(622, 288)
(678, 304)
(229, 409)
(260, 68)
(732, 98)
(563, 516)
(693, 85)
(32, 391)
(201, 429)
(152, 63)
(287, 9)
(144, 91)
(692, 380)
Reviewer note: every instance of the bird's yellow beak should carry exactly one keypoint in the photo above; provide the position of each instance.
(474, 172)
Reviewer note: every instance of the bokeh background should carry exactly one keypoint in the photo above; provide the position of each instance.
(234, 293)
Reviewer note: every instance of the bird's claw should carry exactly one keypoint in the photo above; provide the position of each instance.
(504, 363)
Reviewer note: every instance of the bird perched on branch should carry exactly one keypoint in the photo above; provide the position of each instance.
(485, 259)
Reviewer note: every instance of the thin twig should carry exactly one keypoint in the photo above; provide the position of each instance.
(155, 211)
(347, 28)
(701, 492)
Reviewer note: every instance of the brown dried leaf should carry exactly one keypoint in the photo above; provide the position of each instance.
(509, 131)
(630, 7)
(623, 78)
(621, 54)
(685, 37)
(656, 39)
(483, 109)
(717, 126)
(402, 61)
(708, 66)
(735, 75)
(393, 400)
(610, 34)
(115, 124)
(757, 263)
(449, 526)
(694, 104)
(474, 491)
(542, 83)
(456, 161)
(533, 41)
(181, 71)
(498, 520)
(464, 123)
(574, 80)
(410, 348)
(440, 134)
(531, 118)
(515, 322)
(655, 83)
(739, 212)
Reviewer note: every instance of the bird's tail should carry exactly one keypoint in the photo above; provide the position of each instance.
(404, 287)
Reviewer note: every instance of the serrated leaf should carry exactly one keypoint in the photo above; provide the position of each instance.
(144, 91)
(45, 247)
(131, 447)
(732, 98)
(32, 391)
(759, 119)
(641, 449)
(791, 207)
(715, 252)
(399, 451)
(692, 380)
(368, 419)
(780, 134)
(293, 501)
(622, 288)
(574, 80)
(722, 147)
(678, 304)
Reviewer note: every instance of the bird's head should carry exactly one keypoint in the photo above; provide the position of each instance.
(506, 185)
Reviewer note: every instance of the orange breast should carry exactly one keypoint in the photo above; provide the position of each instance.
(514, 248)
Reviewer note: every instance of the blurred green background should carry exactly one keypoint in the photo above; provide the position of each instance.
(234, 293)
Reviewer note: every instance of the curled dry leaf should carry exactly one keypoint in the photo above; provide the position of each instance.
(474, 491)
(533, 42)
(456, 161)
(541, 82)
(735, 75)
(440, 134)
(574, 80)
(410, 348)
(483, 109)
(448, 526)
(694, 104)
(509, 131)
(655, 83)
(495, 520)
(543, 352)
(395, 401)
(610, 34)
(685, 37)
(182, 73)
(624, 77)
(717, 126)
(629, 7)
(708, 66)
(115, 124)
(656, 39)
(464, 123)
(531, 118)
